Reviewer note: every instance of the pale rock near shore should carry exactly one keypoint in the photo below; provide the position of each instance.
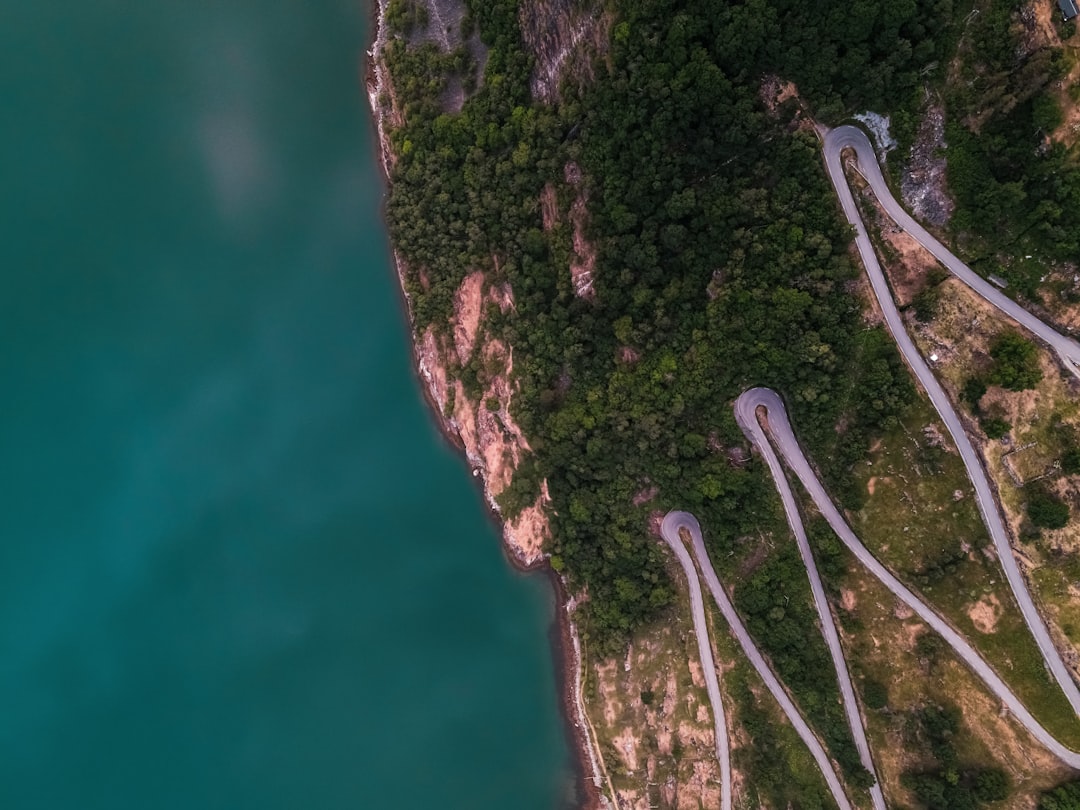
(494, 444)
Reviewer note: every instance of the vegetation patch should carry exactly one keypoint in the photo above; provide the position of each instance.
(901, 669)
(921, 519)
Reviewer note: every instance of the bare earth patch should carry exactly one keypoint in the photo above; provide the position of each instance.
(847, 599)
(984, 613)
(653, 724)
(468, 304)
(549, 207)
(493, 442)
(645, 495)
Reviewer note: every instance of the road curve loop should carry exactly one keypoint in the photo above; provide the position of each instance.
(708, 666)
(846, 137)
(849, 137)
(786, 445)
(673, 522)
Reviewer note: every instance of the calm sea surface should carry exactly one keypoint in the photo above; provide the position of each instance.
(238, 568)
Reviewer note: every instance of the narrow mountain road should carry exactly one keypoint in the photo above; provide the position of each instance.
(849, 137)
(708, 666)
(787, 446)
(673, 522)
(745, 415)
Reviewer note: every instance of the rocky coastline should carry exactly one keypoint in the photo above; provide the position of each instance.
(431, 370)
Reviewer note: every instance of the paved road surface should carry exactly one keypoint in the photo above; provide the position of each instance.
(848, 137)
(745, 409)
(788, 447)
(670, 530)
(712, 684)
(844, 137)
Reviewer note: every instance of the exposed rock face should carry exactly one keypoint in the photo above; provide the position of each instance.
(564, 36)
(493, 442)
(444, 19)
(468, 305)
(583, 262)
(923, 185)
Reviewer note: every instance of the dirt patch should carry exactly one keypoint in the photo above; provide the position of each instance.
(468, 307)
(697, 677)
(847, 599)
(607, 685)
(985, 613)
(912, 631)
(871, 485)
(549, 207)
(626, 743)
(645, 495)
(502, 295)
(1038, 18)
(775, 91)
(910, 265)
(531, 529)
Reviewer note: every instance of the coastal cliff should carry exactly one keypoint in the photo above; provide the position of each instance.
(638, 716)
(480, 422)
(481, 425)
(605, 229)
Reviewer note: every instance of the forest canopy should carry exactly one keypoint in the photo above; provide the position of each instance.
(721, 262)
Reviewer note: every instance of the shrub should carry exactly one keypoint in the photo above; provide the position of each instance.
(1016, 365)
(974, 389)
(1046, 510)
(875, 694)
(1063, 797)
(1070, 462)
(993, 427)
(991, 785)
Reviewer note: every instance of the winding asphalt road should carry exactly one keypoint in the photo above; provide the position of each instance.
(849, 137)
(746, 410)
(701, 630)
(787, 445)
(745, 415)
(837, 140)
(673, 522)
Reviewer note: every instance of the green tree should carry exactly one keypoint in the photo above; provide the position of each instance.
(994, 427)
(1070, 461)
(1046, 510)
(1016, 362)
(1063, 797)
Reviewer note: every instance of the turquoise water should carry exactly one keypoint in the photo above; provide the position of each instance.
(238, 568)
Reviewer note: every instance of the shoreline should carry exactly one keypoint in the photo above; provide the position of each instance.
(563, 633)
